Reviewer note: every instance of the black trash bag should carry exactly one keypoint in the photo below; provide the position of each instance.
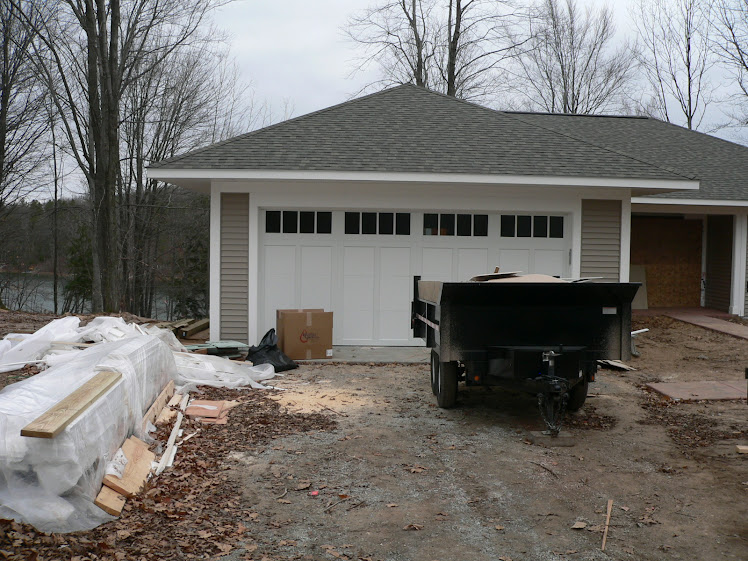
(267, 352)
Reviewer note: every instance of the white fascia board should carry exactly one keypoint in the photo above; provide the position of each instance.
(689, 202)
(177, 175)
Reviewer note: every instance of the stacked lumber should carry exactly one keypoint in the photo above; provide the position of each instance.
(194, 327)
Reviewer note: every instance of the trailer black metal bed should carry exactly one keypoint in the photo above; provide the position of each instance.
(544, 338)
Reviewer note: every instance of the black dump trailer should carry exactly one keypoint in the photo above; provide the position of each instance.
(543, 338)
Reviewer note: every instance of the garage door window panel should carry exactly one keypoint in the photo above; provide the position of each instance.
(402, 224)
(273, 222)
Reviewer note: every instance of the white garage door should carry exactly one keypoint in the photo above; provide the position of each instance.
(360, 264)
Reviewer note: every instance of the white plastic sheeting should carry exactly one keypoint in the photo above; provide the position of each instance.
(205, 370)
(51, 483)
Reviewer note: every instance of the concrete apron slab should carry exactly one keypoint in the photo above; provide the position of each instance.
(703, 390)
(380, 355)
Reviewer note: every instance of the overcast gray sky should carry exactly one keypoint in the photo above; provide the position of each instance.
(296, 50)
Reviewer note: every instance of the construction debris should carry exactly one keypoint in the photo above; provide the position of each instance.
(105, 386)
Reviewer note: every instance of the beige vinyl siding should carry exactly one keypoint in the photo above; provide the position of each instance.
(718, 262)
(601, 239)
(234, 266)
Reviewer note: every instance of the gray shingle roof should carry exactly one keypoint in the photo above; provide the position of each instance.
(410, 129)
(721, 166)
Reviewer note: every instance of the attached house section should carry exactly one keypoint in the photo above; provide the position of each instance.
(601, 239)
(234, 295)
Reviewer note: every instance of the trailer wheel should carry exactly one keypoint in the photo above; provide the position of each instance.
(446, 387)
(577, 395)
(434, 371)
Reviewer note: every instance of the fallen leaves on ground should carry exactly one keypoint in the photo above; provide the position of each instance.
(190, 511)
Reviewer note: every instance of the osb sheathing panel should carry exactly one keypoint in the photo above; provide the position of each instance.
(670, 250)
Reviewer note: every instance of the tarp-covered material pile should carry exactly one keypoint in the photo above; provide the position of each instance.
(52, 482)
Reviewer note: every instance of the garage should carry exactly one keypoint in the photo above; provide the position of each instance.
(340, 209)
(360, 263)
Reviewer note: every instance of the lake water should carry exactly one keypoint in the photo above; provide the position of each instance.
(29, 292)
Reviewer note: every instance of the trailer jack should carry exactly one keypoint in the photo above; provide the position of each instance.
(553, 397)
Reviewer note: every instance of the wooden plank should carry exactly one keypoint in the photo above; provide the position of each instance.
(607, 524)
(168, 413)
(138, 467)
(155, 409)
(53, 421)
(741, 449)
(173, 436)
(110, 501)
(193, 328)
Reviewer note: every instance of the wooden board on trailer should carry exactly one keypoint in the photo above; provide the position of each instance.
(54, 420)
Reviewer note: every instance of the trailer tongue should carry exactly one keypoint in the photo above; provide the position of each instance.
(532, 333)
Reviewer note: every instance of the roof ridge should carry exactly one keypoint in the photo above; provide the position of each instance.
(242, 136)
(604, 147)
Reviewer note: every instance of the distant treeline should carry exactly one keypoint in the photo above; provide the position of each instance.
(175, 265)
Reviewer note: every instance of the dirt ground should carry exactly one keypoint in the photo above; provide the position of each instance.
(357, 462)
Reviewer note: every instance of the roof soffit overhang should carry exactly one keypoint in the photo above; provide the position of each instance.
(201, 179)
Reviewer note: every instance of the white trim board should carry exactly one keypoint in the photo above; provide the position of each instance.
(192, 178)
(688, 202)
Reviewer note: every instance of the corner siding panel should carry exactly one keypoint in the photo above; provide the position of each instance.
(234, 266)
(601, 239)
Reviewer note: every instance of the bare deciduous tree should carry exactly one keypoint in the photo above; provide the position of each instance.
(193, 100)
(23, 121)
(97, 49)
(676, 56)
(731, 43)
(453, 46)
(573, 66)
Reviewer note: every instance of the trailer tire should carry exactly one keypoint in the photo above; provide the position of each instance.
(578, 395)
(434, 371)
(446, 390)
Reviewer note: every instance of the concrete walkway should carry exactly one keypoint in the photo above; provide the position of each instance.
(380, 355)
(710, 319)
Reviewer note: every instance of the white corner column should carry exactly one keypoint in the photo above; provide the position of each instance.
(625, 267)
(214, 277)
(739, 249)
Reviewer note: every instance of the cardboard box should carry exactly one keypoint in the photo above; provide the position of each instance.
(304, 334)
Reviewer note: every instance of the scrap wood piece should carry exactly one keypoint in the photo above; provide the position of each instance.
(607, 523)
(157, 406)
(741, 449)
(162, 464)
(204, 408)
(616, 364)
(169, 412)
(110, 501)
(54, 420)
(139, 459)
